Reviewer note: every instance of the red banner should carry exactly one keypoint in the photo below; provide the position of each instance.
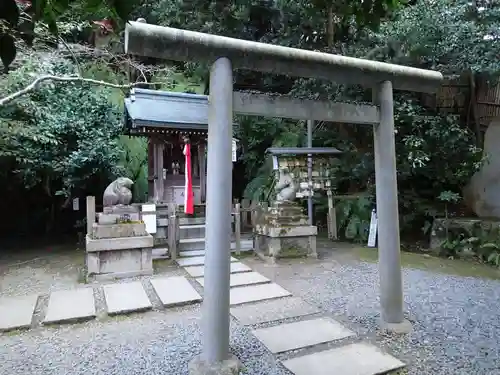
(188, 187)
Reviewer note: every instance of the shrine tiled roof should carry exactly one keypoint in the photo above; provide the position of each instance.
(166, 110)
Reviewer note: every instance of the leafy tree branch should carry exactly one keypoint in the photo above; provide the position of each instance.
(37, 82)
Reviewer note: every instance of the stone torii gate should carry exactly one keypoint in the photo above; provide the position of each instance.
(226, 54)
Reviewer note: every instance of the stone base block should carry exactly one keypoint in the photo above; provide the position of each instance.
(119, 263)
(118, 230)
(396, 328)
(230, 366)
(120, 243)
(273, 243)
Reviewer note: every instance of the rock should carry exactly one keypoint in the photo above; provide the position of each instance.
(482, 194)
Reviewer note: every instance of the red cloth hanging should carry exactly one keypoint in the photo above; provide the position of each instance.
(188, 187)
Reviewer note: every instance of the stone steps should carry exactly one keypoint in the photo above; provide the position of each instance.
(188, 244)
(255, 300)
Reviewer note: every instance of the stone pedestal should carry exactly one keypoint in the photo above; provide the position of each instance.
(118, 247)
(283, 232)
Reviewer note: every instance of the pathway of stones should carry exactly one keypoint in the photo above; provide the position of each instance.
(313, 343)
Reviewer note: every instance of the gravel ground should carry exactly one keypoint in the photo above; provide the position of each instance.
(456, 323)
(154, 343)
(456, 320)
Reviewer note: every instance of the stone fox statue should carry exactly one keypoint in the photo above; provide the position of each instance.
(118, 192)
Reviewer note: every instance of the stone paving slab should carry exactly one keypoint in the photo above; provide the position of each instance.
(269, 311)
(126, 297)
(195, 261)
(259, 292)
(175, 290)
(354, 359)
(199, 271)
(241, 279)
(297, 335)
(70, 305)
(17, 312)
(192, 253)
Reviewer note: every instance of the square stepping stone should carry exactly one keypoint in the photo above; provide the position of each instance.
(297, 335)
(17, 312)
(195, 261)
(253, 293)
(175, 291)
(354, 359)
(70, 305)
(126, 297)
(271, 310)
(199, 271)
(240, 279)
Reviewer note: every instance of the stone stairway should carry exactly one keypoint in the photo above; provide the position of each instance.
(308, 341)
(192, 240)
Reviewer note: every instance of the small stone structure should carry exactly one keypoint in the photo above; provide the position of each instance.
(485, 230)
(283, 231)
(117, 245)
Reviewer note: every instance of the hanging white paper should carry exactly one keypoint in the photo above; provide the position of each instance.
(149, 217)
(234, 147)
(76, 204)
(372, 236)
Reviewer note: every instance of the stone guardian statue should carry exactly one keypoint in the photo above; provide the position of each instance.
(118, 192)
(286, 188)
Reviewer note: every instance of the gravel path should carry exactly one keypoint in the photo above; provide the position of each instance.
(456, 324)
(456, 320)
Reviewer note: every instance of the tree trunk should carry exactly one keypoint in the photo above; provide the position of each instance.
(330, 32)
(473, 110)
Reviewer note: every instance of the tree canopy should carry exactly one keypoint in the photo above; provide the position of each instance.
(77, 125)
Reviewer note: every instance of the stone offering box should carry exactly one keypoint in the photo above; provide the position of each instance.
(118, 245)
(283, 232)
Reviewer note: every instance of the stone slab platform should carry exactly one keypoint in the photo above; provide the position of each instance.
(297, 335)
(126, 297)
(17, 312)
(199, 271)
(241, 279)
(175, 291)
(70, 305)
(355, 359)
(272, 310)
(195, 261)
(259, 292)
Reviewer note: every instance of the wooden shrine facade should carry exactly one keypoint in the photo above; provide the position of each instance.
(169, 119)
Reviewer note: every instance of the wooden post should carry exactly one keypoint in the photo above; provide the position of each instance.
(159, 183)
(90, 214)
(237, 227)
(332, 217)
(151, 170)
(245, 205)
(203, 171)
(172, 231)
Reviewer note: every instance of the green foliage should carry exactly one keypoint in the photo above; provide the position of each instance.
(353, 218)
(20, 18)
(484, 246)
(435, 34)
(61, 136)
(135, 163)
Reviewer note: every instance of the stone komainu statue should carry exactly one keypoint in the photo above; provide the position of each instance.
(286, 188)
(118, 192)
